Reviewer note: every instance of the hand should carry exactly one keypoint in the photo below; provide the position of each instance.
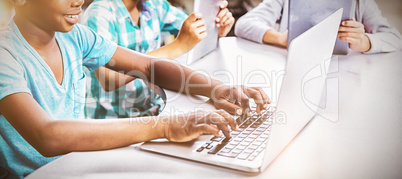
(235, 100)
(224, 20)
(191, 126)
(192, 31)
(353, 32)
(276, 38)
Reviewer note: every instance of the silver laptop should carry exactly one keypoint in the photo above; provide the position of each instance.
(305, 14)
(261, 138)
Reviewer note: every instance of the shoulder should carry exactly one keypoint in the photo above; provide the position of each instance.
(6, 56)
(7, 37)
(9, 63)
(11, 45)
(5, 31)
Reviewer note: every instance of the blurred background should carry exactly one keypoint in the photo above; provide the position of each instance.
(391, 9)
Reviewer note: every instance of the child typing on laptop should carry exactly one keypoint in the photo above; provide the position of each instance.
(140, 25)
(43, 51)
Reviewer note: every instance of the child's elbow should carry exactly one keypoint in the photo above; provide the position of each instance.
(47, 149)
(237, 30)
(241, 25)
(106, 87)
(49, 144)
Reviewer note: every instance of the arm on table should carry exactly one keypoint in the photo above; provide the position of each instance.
(178, 78)
(57, 137)
(258, 24)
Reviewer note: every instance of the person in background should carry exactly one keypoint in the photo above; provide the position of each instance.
(369, 33)
(42, 55)
(141, 25)
(239, 8)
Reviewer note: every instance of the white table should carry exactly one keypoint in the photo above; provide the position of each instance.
(364, 142)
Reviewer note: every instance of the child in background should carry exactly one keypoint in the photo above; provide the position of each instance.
(140, 25)
(42, 55)
(369, 33)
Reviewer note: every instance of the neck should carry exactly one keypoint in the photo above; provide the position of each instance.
(37, 37)
(131, 4)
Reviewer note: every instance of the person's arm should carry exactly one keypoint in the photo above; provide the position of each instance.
(276, 38)
(378, 35)
(192, 32)
(178, 78)
(56, 137)
(261, 20)
(52, 137)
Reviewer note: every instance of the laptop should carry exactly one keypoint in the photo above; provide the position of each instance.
(306, 13)
(260, 138)
(209, 10)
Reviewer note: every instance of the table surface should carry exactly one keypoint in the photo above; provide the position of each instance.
(358, 136)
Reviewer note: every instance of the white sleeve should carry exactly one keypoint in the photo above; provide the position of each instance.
(383, 37)
(258, 21)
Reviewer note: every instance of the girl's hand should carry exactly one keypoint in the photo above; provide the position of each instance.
(353, 32)
(192, 31)
(224, 20)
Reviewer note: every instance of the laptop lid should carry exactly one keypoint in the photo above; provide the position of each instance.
(306, 69)
(209, 10)
(304, 14)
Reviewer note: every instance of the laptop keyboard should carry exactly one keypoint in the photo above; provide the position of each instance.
(247, 142)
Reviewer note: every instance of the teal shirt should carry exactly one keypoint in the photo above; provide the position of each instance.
(22, 70)
(111, 19)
